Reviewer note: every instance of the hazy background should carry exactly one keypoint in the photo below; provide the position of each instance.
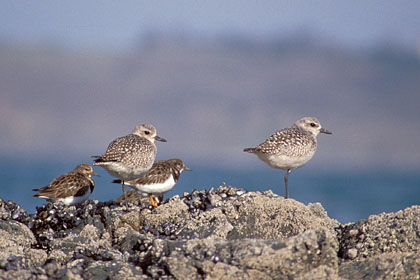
(213, 77)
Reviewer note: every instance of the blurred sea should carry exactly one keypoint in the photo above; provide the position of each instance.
(347, 196)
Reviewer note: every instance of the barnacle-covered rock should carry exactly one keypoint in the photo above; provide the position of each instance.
(12, 211)
(221, 233)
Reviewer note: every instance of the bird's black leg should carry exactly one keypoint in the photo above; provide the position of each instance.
(285, 182)
(125, 194)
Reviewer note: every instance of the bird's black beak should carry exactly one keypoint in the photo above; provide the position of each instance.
(157, 138)
(323, 130)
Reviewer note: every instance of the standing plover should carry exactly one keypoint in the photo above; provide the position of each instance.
(161, 178)
(290, 148)
(131, 156)
(71, 188)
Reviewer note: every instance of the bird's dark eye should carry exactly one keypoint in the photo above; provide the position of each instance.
(147, 132)
(313, 124)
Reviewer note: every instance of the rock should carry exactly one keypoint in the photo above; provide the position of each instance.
(386, 246)
(12, 211)
(261, 216)
(211, 223)
(223, 233)
(16, 252)
(385, 233)
(255, 259)
(174, 212)
(113, 270)
(352, 253)
(383, 266)
(238, 215)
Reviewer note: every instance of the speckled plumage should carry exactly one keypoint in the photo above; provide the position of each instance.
(161, 178)
(290, 148)
(292, 142)
(131, 156)
(71, 188)
(131, 151)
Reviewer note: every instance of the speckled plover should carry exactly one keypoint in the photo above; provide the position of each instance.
(131, 156)
(290, 148)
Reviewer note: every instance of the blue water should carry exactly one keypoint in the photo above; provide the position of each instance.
(347, 196)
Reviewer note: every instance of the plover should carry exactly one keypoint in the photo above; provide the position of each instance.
(131, 156)
(290, 148)
(71, 188)
(161, 178)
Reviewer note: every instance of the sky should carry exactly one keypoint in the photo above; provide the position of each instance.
(120, 24)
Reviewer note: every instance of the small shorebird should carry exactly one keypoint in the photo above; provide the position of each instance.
(161, 178)
(290, 148)
(131, 156)
(71, 188)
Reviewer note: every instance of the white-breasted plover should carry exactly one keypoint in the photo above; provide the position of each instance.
(131, 156)
(290, 148)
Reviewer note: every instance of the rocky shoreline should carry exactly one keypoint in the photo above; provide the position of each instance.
(223, 233)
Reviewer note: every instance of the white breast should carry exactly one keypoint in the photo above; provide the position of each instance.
(73, 200)
(123, 172)
(284, 162)
(156, 188)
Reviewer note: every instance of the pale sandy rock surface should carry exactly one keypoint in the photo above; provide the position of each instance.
(224, 233)
(386, 246)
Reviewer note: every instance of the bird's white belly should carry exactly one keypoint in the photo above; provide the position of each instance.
(123, 172)
(155, 188)
(284, 162)
(73, 200)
